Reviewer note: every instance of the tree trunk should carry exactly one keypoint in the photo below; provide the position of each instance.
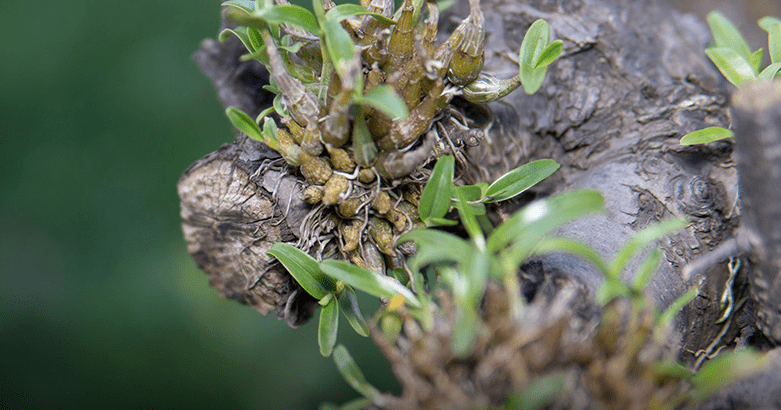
(632, 80)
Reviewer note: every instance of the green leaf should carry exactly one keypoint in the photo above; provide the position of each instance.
(472, 194)
(339, 44)
(465, 329)
(770, 71)
(725, 369)
(521, 179)
(290, 14)
(342, 11)
(349, 304)
(317, 7)
(244, 123)
(352, 374)
(434, 222)
(270, 133)
(263, 114)
(536, 394)
(611, 289)
(304, 270)
(646, 270)
(735, 68)
(640, 240)
(706, 135)
(435, 198)
(773, 28)
(241, 33)
(468, 219)
(573, 247)
(756, 60)
(364, 148)
(725, 35)
(385, 99)
(536, 219)
(279, 107)
(549, 54)
(256, 39)
(436, 246)
(532, 46)
(672, 311)
(328, 327)
(367, 281)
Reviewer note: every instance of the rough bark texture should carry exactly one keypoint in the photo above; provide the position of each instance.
(633, 79)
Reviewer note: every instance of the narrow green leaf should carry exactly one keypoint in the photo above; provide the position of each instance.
(773, 28)
(465, 329)
(241, 33)
(290, 14)
(672, 368)
(735, 68)
(270, 133)
(304, 269)
(573, 247)
(756, 60)
(317, 7)
(263, 114)
(364, 148)
(611, 289)
(256, 39)
(328, 327)
(244, 123)
(339, 44)
(349, 304)
(367, 281)
(342, 11)
(472, 194)
(468, 219)
(434, 222)
(727, 368)
(242, 16)
(770, 71)
(646, 270)
(536, 394)
(435, 198)
(352, 374)
(640, 240)
(247, 5)
(383, 98)
(536, 219)
(549, 54)
(706, 135)
(725, 35)
(438, 246)
(521, 179)
(672, 311)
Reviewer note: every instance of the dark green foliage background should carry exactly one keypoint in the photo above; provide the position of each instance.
(100, 305)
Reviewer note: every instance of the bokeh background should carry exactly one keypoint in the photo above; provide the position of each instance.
(100, 305)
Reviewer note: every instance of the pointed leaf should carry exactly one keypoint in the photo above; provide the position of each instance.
(727, 368)
(434, 222)
(352, 374)
(367, 281)
(534, 42)
(646, 270)
(339, 44)
(770, 71)
(290, 14)
(435, 198)
(468, 219)
(773, 28)
(735, 68)
(706, 135)
(725, 35)
(342, 11)
(549, 54)
(521, 179)
(756, 60)
(304, 269)
(328, 327)
(573, 247)
(383, 98)
(465, 329)
(244, 123)
(534, 220)
(439, 246)
(349, 306)
(241, 33)
(672, 311)
(641, 239)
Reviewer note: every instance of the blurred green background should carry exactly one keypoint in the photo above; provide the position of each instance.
(100, 304)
